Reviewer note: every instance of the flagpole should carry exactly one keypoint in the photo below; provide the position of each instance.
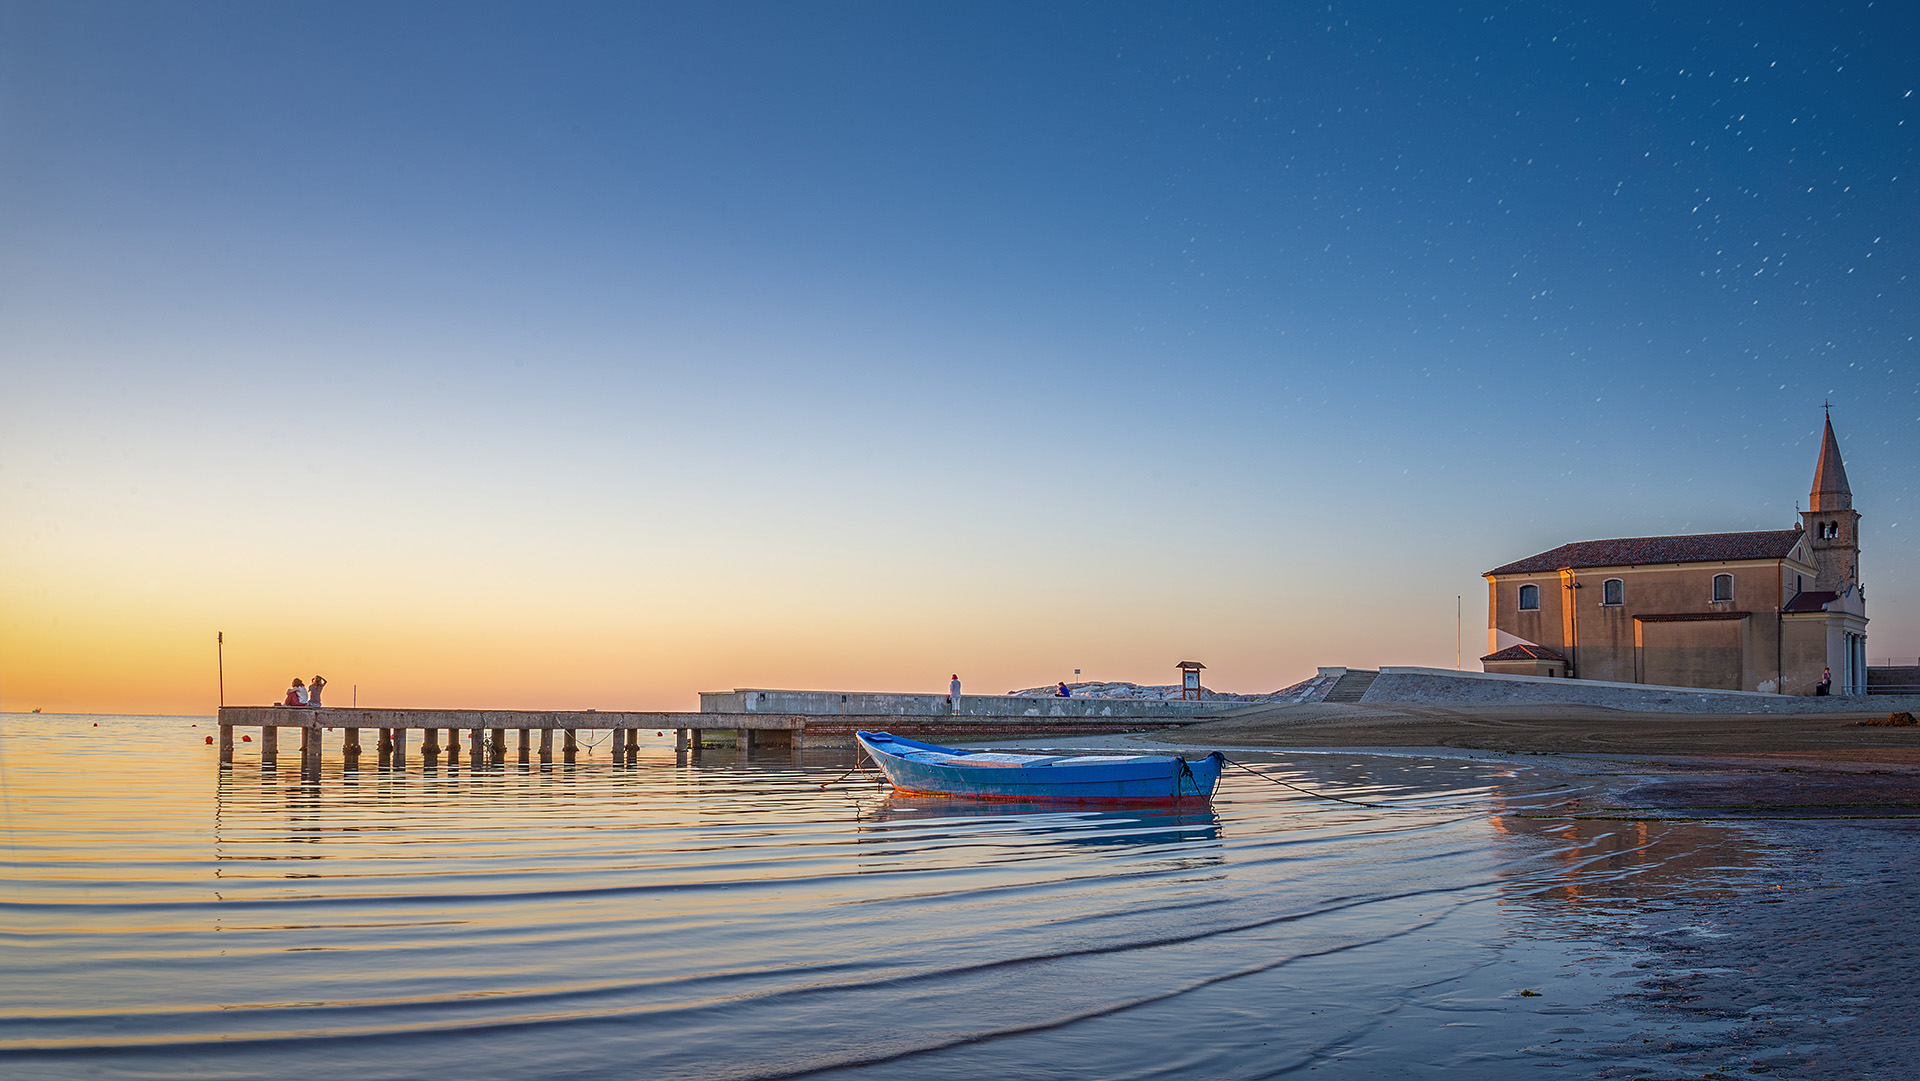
(220, 651)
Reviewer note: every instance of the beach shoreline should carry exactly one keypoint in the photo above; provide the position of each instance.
(1801, 968)
(1802, 971)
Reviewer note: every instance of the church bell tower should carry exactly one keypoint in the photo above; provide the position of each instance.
(1832, 525)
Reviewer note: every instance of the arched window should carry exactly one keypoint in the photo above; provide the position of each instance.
(1723, 587)
(1529, 598)
(1613, 591)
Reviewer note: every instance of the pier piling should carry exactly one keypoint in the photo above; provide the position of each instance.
(310, 742)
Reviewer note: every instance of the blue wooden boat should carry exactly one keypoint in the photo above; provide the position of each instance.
(918, 767)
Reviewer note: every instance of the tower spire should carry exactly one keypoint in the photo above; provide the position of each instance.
(1830, 490)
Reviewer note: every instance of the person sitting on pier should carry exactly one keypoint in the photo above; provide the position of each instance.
(313, 691)
(1063, 691)
(296, 694)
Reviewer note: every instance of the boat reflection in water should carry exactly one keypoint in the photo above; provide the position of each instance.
(997, 831)
(1076, 823)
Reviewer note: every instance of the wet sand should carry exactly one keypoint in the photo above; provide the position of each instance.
(1808, 971)
(1826, 763)
(1559, 729)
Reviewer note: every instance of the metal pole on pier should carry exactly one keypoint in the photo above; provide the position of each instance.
(220, 659)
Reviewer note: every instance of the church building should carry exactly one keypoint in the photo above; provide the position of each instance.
(1765, 611)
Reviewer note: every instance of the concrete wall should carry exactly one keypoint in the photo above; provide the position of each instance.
(1893, 679)
(831, 703)
(1444, 685)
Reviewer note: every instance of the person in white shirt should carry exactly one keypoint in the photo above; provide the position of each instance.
(953, 692)
(296, 694)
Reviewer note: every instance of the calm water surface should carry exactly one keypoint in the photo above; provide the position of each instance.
(735, 919)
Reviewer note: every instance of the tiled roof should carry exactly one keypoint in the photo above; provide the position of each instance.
(1811, 601)
(1524, 653)
(1630, 551)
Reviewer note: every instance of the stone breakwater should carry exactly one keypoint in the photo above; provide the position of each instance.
(1441, 686)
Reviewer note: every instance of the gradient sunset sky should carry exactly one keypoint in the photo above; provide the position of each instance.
(591, 356)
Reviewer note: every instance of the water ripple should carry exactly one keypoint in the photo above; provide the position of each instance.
(734, 919)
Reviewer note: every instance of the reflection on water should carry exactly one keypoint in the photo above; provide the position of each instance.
(735, 918)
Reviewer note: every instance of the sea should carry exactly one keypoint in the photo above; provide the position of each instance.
(773, 915)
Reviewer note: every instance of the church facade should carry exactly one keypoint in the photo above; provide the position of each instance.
(1765, 611)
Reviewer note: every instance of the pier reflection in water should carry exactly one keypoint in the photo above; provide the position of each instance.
(734, 918)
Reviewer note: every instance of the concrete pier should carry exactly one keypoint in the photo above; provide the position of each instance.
(747, 730)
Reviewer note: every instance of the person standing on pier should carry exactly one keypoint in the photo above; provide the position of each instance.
(953, 693)
(313, 691)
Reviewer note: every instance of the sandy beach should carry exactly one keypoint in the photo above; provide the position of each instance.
(1806, 971)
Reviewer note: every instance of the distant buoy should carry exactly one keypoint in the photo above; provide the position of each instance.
(246, 739)
(209, 739)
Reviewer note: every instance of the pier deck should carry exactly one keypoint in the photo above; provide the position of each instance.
(486, 729)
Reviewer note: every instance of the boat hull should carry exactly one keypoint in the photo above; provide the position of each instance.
(928, 769)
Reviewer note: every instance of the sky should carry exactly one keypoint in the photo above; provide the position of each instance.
(590, 356)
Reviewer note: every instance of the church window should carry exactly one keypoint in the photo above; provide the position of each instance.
(1612, 591)
(1529, 598)
(1723, 587)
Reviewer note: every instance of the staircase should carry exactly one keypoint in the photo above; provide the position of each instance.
(1351, 686)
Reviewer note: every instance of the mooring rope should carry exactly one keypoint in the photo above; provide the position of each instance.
(1297, 788)
(858, 754)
